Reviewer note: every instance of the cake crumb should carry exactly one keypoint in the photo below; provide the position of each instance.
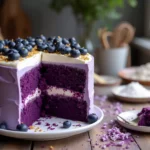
(51, 148)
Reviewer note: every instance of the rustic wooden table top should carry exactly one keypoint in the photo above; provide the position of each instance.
(86, 141)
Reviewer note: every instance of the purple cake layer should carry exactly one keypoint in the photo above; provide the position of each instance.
(64, 77)
(64, 107)
(29, 82)
(31, 112)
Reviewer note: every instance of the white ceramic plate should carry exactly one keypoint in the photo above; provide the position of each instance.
(117, 94)
(51, 128)
(131, 117)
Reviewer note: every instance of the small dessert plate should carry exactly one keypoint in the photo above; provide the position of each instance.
(51, 128)
(116, 93)
(129, 120)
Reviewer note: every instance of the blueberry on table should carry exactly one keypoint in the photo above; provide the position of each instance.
(25, 42)
(22, 127)
(3, 125)
(75, 53)
(51, 48)
(66, 124)
(11, 44)
(83, 51)
(13, 54)
(92, 118)
(23, 52)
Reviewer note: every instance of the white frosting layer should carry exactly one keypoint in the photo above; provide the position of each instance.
(58, 58)
(31, 97)
(60, 91)
(46, 57)
(27, 62)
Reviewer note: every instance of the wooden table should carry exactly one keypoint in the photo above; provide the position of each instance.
(141, 141)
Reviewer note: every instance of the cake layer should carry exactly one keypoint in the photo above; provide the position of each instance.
(64, 107)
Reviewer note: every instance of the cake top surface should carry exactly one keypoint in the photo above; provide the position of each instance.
(15, 51)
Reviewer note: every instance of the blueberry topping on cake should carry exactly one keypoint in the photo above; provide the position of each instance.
(59, 46)
(11, 44)
(2, 42)
(66, 124)
(22, 127)
(25, 42)
(23, 52)
(76, 45)
(57, 39)
(51, 48)
(3, 125)
(42, 47)
(65, 41)
(19, 46)
(18, 40)
(42, 37)
(38, 41)
(32, 43)
(83, 51)
(72, 40)
(29, 47)
(92, 118)
(66, 50)
(75, 53)
(1, 46)
(13, 54)
(51, 39)
(5, 51)
(31, 39)
(6, 42)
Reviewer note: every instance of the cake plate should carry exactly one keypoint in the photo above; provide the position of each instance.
(51, 128)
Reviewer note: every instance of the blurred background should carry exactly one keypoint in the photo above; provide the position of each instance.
(115, 31)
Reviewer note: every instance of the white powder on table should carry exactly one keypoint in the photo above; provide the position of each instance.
(134, 89)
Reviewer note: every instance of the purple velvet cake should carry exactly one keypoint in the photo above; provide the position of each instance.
(45, 83)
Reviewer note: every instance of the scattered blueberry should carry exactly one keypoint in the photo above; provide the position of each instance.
(66, 124)
(32, 43)
(13, 54)
(42, 47)
(75, 53)
(51, 48)
(11, 44)
(29, 47)
(25, 42)
(31, 39)
(18, 40)
(76, 46)
(5, 51)
(19, 46)
(23, 52)
(22, 127)
(66, 50)
(92, 118)
(65, 41)
(3, 125)
(1, 46)
(83, 51)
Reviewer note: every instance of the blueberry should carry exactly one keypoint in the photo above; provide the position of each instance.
(23, 52)
(76, 46)
(25, 42)
(83, 51)
(38, 41)
(49, 43)
(72, 40)
(50, 39)
(19, 46)
(2, 42)
(57, 39)
(92, 118)
(59, 46)
(6, 41)
(5, 51)
(22, 127)
(1, 46)
(29, 47)
(66, 50)
(31, 39)
(66, 124)
(42, 47)
(11, 44)
(51, 48)
(18, 40)
(65, 41)
(75, 53)
(32, 43)
(3, 125)
(42, 37)
(13, 55)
